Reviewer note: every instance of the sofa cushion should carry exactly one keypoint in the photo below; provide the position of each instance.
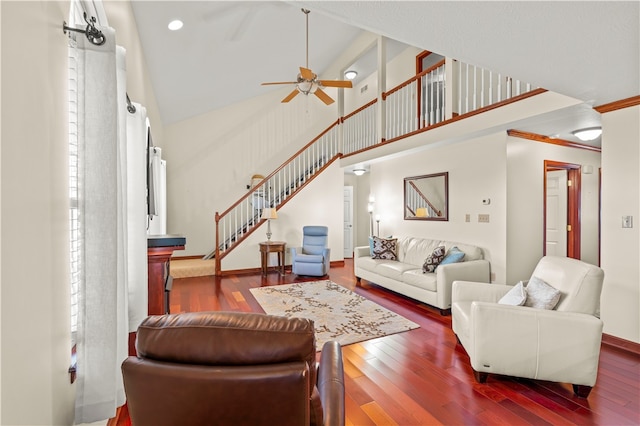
(414, 250)
(417, 278)
(393, 270)
(541, 295)
(309, 258)
(369, 263)
(385, 248)
(433, 260)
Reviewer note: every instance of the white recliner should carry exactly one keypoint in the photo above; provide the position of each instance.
(559, 345)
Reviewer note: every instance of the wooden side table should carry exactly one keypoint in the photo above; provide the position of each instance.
(267, 247)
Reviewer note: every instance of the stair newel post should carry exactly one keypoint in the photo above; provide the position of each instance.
(217, 247)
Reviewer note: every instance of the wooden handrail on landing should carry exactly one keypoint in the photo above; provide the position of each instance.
(412, 79)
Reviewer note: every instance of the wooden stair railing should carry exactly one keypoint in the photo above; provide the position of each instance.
(240, 220)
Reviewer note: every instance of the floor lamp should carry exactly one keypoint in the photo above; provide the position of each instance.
(370, 210)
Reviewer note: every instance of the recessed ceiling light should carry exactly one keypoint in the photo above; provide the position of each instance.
(350, 75)
(175, 25)
(588, 134)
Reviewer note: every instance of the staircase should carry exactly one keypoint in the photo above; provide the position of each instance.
(240, 220)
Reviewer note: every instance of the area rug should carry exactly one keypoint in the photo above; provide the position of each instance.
(337, 312)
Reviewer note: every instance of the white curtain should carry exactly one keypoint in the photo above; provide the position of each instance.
(102, 336)
(137, 215)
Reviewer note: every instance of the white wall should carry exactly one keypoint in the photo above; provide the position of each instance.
(525, 213)
(319, 203)
(477, 170)
(621, 246)
(399, 69)
(139, 87)
(36, 341)
(34, 310)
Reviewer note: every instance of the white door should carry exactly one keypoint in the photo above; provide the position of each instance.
(348, 221)
(556, 213)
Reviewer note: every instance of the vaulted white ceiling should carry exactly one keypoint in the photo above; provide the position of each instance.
(587, 50)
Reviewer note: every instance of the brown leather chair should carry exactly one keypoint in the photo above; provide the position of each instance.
(232, 368)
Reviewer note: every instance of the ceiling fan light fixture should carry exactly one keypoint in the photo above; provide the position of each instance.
(307, 87)
(350, 74)
(588, 134)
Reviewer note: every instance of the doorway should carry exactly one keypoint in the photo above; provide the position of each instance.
(348, 222)
(562, 193)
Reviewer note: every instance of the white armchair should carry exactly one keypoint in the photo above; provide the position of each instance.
(559, 345)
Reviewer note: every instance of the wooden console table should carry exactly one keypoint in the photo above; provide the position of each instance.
(267, 247)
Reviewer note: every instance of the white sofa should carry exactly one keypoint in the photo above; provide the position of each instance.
(405, 275)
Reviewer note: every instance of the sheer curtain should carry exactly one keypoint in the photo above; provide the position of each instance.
(106, 204)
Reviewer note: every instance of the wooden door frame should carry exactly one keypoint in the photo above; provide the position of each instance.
(574, 195)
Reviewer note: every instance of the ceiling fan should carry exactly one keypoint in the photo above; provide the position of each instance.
(307, 82)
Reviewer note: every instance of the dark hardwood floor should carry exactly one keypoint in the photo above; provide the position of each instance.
(422, 377)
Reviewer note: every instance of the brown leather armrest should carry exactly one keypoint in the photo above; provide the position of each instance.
(331, 383)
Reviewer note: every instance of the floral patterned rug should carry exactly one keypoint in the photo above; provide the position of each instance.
(337, 312)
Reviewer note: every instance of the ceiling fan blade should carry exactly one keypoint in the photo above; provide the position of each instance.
(279, 82)
(290, 96)
(306, 73)
(324, 97)
(336, 83)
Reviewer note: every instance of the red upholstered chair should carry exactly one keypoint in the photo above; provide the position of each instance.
(232, 368)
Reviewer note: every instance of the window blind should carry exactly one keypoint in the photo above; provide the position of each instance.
(75, 228)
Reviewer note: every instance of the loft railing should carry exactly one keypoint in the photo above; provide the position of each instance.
(244, 216)
(360, 128)
(476, 88)
(416, 103)
(421, 103)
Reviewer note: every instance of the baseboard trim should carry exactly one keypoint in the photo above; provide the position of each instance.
(287, 269)
(617, 342)
(187, 257)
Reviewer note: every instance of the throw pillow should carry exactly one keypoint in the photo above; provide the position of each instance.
(517, 296)
(385, 248)
(371, 244)
(454, 255)
(541, 295)
(433, 260)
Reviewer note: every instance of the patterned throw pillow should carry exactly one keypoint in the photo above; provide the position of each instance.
(385, 248)
(433, 260)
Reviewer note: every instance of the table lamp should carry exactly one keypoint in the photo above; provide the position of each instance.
(269, 214)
